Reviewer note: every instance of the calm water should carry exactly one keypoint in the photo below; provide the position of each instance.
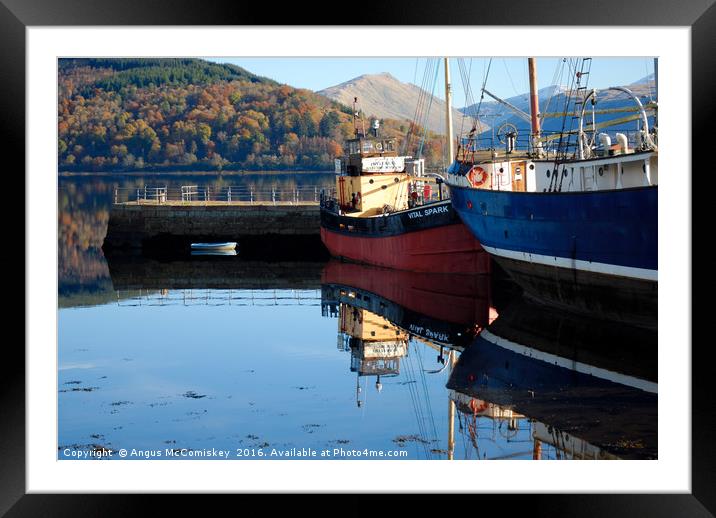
(201, 357)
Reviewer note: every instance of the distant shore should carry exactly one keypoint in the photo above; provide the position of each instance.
(194, 173)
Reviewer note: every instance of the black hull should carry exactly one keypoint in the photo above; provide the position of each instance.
(621, 299)
(432, 215)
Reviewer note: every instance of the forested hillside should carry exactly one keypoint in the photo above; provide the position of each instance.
(190, 114)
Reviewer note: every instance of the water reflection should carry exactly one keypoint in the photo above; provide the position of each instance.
(232, 352)
(588, 389)
(531, 382)
(84, 203)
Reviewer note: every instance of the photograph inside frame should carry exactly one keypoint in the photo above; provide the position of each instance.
(357, 258)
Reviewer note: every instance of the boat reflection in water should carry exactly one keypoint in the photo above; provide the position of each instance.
(533, 382)
(585, 389)
(447, 309)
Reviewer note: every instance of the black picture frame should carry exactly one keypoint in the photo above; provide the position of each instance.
(17, 15)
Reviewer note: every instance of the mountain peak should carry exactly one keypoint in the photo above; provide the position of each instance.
(385, 96)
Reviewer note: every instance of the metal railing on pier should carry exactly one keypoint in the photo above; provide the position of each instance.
(195, 194)
(218, 297)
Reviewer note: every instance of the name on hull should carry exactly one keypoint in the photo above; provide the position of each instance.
(428, 212)
(429, 333)
(383, 164)
(383, 350)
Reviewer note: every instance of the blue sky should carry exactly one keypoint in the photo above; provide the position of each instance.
(507, 78)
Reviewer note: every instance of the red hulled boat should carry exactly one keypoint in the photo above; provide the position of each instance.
(386, 212)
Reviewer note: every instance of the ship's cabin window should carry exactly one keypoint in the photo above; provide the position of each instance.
(353, 147)
(371, 146)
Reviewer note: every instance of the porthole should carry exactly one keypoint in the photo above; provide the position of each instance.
(370, 181)
(532, 166)
(383, 187)
(548, 173)
(397, 180)
(601, 171)
(502, 170)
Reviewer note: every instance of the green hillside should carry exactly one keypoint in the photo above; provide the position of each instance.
(190, 114)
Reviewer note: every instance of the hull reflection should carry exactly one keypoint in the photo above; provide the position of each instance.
(447, 309)
(586, 387)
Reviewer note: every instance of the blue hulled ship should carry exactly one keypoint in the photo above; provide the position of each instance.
(572, 218)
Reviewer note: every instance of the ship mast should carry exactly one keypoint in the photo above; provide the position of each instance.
(448, 113)
(534, 105)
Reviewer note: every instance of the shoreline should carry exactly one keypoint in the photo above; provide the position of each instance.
(192, 173)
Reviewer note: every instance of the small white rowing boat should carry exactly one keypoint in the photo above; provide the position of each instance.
(213, 252)
(213, 246)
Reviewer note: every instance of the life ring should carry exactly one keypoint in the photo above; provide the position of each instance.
(476, 409)
(477, 176)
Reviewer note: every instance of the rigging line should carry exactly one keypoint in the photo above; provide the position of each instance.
(509, 76)
(417, 410)
(586, 63)
(427, 394)
(482, 93)
(560, 151)
(471, 105)
(556, 80)
(469, 87)
(469, 99)
(466, 108)
(364, 390)
(411, 393)
(649, 83)
(410, 383)
(560, 78)
(418, 108)
(427, 113)
(470, 109)
(415, 127)
(425, 440)
(461, 431)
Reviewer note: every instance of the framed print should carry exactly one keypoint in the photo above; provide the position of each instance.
(361, 257)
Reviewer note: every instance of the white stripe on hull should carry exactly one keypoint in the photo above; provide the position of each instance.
(576, 264)
(583, 368)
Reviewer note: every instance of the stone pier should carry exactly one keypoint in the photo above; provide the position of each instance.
(136, 225)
